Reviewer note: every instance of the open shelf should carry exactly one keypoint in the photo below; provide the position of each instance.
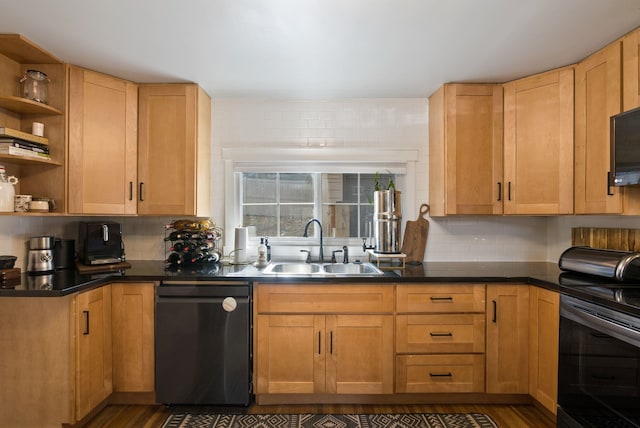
(28, 160)
(25, 106)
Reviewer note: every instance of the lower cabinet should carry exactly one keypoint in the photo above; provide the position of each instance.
(335, 354)
(544, 328)
(319, 339)
(440, 338)
(92, 317)
(132, 321)
(507, 339)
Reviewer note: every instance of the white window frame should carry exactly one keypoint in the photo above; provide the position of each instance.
(322, 160)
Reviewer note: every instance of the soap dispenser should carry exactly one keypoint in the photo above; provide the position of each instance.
(262, 254)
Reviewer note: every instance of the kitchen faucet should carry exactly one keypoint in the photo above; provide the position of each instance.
(306, 234)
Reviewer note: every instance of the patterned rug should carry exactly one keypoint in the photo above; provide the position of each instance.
(397, 420)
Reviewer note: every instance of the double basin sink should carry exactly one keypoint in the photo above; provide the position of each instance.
(321, 269)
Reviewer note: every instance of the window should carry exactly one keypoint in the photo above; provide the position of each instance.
(280, 204)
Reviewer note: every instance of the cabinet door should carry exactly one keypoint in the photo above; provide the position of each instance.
(465, 149)
(597, 98)
(543, 346)
(631, 71)
(507, 355)
(290, 354)
(174, 150)
(93, 360)
(102, 143)
(359, 354)
(631, 100)
(538, 144)
(133, 341)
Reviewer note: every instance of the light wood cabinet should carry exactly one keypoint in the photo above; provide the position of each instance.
(507, 355)
(631, 100)
(538, 143)
(38, 176)
(132, 317)
(174, 143)
(94, 380)
(465, 149)
(597, 98)
(318, 339)
(544, 328)
(631, 70)
(440, 338)
(103, 114)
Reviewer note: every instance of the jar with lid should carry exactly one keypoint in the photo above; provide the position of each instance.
(7, 191)
(35, 86)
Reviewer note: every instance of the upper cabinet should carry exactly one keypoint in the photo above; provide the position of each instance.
(465, 149)
(174, 139)
(38, 176)
(631, 70)
(538, 143)
(103, 113)
(597, 97)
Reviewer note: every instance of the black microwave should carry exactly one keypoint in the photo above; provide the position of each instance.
(625, 148)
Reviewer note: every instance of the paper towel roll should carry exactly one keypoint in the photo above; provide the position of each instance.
(241, 243)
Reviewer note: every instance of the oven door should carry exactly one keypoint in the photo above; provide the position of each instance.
(599, 366)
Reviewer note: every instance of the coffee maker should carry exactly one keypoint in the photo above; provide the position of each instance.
(100, 242)
(40, 257)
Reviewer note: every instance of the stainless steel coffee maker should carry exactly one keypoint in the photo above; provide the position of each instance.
(40, 258)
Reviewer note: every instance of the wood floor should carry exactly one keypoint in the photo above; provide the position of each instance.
(506, 416)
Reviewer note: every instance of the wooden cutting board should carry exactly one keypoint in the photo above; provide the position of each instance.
(415, 237)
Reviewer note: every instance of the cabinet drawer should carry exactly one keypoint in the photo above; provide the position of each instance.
(446, 333)
(440, 373)
(439, 298)
(312, 299)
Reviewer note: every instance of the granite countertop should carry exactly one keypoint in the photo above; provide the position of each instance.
(66, 282)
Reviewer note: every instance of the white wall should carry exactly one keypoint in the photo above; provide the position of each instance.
(357, 123)
(373, 124)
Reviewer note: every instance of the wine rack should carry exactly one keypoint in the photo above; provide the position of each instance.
(192, 244)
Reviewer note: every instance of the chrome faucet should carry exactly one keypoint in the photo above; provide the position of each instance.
(306, 234)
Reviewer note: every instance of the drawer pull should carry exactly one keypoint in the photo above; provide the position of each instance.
(441, 374)
(441, 334)
(319, 343)
(441, 299)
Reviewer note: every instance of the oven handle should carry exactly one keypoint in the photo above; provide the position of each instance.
(604, 320)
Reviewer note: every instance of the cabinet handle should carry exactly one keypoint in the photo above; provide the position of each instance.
(499, 191)
(331, 343)
(131, 190)
(441, 299)
(86, 323)
(443, 334)
(495, 311)
(609, 192)
(319, 342)
(140, 192)
(509, 191)
(448, 374)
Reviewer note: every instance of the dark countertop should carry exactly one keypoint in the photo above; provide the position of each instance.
(66, 282)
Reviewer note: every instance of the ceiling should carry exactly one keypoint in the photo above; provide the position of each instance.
(320, 48)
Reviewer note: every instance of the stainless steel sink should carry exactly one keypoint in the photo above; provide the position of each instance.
(352, 269)
(325, 269)
(292, 268)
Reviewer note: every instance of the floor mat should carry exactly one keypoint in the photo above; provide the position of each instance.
(396, 420)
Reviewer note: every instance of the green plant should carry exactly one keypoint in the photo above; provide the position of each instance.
(390, 184)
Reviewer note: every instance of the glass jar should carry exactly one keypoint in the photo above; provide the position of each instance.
(35, 86)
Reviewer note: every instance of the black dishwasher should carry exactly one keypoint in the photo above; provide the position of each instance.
(203, 342)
